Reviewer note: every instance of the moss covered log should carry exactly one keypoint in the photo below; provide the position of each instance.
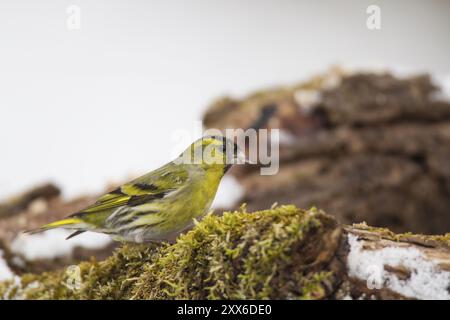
(281, 253)
(277, 253)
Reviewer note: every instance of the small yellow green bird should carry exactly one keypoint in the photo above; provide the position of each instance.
(161, 204)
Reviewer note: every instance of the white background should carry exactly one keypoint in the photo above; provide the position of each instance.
(84, 107)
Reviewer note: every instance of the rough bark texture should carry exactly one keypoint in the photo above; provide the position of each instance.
(282, 253)
(364, 147)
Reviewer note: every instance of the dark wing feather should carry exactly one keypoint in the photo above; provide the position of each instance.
(152, 186)
(74, 234)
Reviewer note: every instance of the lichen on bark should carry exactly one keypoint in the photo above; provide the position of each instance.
(282, 253)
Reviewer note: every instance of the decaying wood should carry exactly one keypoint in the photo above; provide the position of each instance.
(364, 147)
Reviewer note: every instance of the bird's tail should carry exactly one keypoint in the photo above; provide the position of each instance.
(69, 223)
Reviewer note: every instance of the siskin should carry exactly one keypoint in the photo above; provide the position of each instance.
(159, 205)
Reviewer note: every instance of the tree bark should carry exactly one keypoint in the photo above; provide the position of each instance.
(364, 147)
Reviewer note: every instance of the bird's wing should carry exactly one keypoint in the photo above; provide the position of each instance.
(152, 186)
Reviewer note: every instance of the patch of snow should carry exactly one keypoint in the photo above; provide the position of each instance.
(5, 271)
(228, 194)
(51, 244)
(38, 206)
(18, 261)
(307, 99)
(444, 83)
(427, 281)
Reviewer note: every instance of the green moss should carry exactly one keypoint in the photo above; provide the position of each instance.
(260, 255)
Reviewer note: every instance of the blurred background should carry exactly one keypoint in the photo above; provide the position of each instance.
(136, 71)
(93, 92)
